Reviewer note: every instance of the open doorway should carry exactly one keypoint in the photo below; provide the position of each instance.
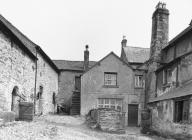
(40, 100)
(15, 101)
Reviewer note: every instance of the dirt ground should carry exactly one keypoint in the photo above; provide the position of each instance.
(55, 127)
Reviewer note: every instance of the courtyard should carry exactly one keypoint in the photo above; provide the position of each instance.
(57, 127)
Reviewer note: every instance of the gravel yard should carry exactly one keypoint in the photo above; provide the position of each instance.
(55, 127)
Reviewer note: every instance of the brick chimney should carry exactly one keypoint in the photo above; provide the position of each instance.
(124, 42)
(160, 31)
(86, 58)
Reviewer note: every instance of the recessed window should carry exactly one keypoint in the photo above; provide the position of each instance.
(181, 111)
(110, 103)
(110, 79)
(139, 81)
(167, 75)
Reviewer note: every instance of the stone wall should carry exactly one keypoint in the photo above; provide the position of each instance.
(92, 86)
(17, 69)
(163, 122)
(67, 86)
(47, 78)
(111, 120)
(108, 120)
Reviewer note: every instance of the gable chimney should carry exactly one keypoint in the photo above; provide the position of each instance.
(86, 58)
(124, 42)
(160, 31)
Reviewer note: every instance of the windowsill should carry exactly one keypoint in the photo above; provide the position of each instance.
(110, 86)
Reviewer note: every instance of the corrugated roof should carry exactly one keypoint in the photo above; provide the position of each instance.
(136, 54)
(184, 90)
(71, 65)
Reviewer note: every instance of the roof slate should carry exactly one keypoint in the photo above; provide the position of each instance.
(136, 54)
(184, 90)
(31, 46)
(71, 65)
(26, 41)
(180, 35)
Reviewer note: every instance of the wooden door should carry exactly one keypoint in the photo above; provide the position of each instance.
(132, 115)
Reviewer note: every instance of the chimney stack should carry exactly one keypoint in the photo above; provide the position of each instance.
(86, 58)
(124, 42)
(160, 31)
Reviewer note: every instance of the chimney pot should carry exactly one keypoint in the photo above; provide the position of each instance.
(86, 58)
(124, 42)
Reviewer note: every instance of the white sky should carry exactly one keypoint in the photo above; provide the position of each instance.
(63, 27)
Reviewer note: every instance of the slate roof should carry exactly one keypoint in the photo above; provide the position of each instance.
(71, 65)
(25, 41)
(184, 90)
(136, 54)
(180, 35)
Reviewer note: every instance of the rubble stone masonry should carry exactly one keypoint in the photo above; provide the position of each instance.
(47, 78)
(17, 69)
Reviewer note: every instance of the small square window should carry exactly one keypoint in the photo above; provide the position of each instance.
(110, 79)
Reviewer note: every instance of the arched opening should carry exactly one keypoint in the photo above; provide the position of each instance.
(14, 98)
(40, 100)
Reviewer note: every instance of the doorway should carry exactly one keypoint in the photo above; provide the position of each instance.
(132, 114)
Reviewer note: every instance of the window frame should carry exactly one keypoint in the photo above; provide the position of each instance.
(109, 104)
(175, 115)
(140, 83)
(110, 73)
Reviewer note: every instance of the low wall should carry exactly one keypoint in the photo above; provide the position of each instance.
(7, 116)
(108, 120)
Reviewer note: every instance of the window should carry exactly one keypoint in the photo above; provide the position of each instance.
(110, 79)
(139, 81)
(181, 110)
(167, 76)
(110, 103)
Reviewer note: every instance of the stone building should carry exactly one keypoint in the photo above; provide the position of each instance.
(168, 82)
(113, 82)
(24, 69)
(70, 81)
(46, 83)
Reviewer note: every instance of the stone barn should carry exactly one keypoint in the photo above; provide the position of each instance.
(26, 71)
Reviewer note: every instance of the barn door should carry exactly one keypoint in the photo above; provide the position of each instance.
(132, 115)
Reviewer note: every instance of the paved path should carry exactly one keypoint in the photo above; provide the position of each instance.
(55, 127)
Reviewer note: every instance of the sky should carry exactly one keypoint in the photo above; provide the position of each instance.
(63, 27)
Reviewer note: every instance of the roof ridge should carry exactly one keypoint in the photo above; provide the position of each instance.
(137, 47)
(70, 60)
(26, 37)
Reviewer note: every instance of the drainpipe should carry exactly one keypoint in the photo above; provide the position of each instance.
(35, 80)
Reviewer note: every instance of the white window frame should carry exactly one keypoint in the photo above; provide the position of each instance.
(107, 103)
(139, 81)
(110, 79)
